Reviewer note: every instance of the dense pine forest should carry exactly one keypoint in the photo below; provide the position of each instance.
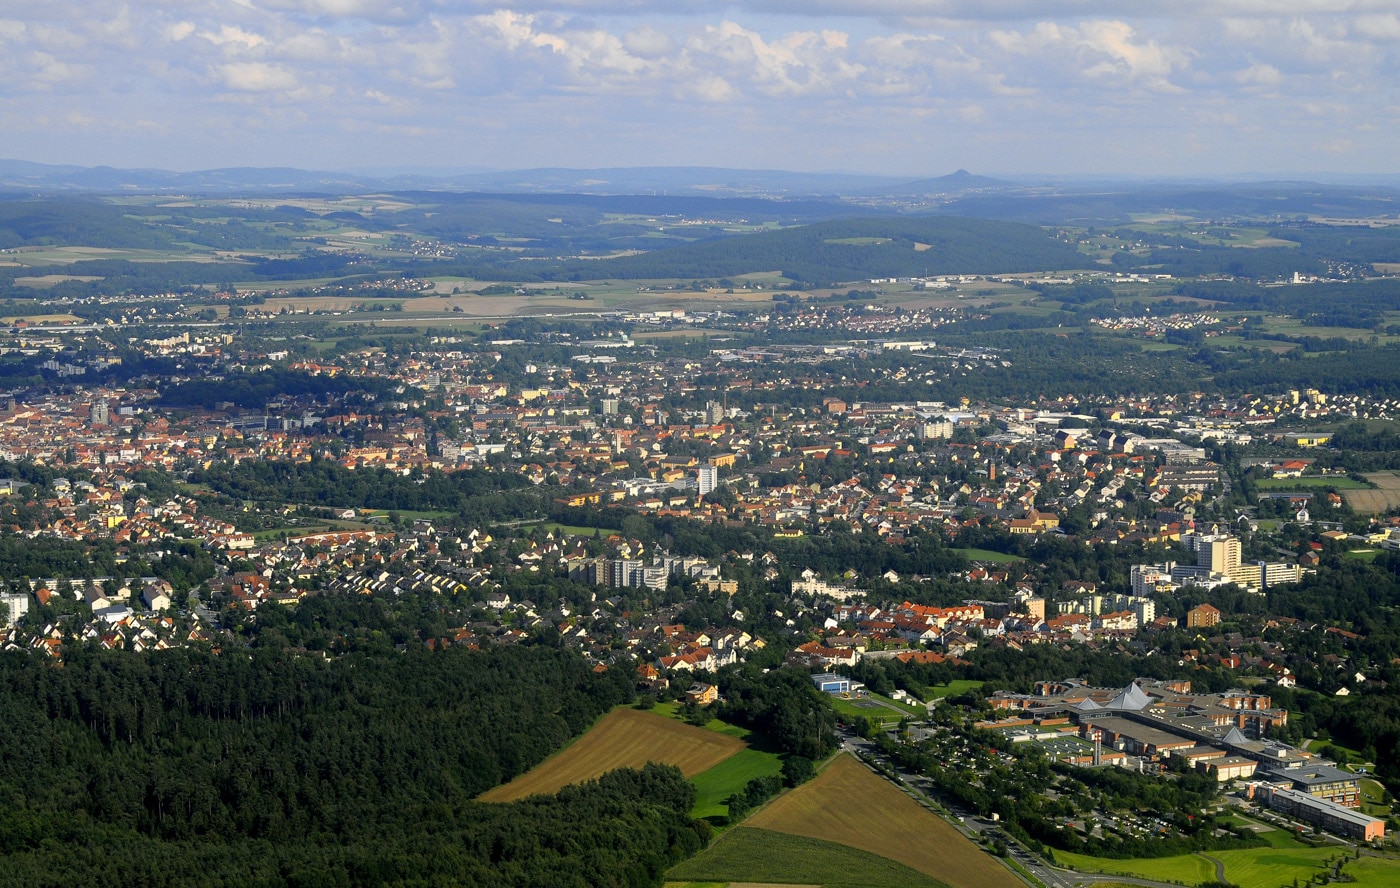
(278, 766)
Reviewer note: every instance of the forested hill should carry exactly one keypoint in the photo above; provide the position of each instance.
(272, 766)
(855, 249)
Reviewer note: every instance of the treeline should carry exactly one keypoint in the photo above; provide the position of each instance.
(782, 705)
(74, 222)
(253, 391)
(183, 564)
(1359, 304)
(1361, 370)
(278, 767)
(852, 249)
(92, 221)
(624, 829)
(475, 494)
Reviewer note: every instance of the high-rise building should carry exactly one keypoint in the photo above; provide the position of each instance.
(1221, 554)
(714, 412)
(610, 406)
(708, 479)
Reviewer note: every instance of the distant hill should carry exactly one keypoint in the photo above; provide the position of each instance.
(1117, 203)
(677, 181)
(89, 221)
(854, 249)
(959, 182)
(18, 175)
(74, 222)
(28, 177)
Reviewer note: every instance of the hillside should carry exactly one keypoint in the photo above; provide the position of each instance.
(854, 249)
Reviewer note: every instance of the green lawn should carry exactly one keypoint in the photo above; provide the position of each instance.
(954, 688)
(988, 555)
(720, 727)
(745, 854)
(1340, 482)
(1277, 838)
(1373, 799)
(572, 530)
(1187, 869)
(1279, 864)
(410, 514)
(867, 707)
(712, 787)
(1270, 867)
(1374, 870)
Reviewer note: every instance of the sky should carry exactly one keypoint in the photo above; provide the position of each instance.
(898, 87)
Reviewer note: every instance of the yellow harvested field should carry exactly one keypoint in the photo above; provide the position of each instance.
(42, 319)
(851, 805)
(624, 738)
(1386, 495)
(44, 281)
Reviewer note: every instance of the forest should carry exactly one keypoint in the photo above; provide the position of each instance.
(253, 391)
(475, 494)
(273, 765)
(854, 249)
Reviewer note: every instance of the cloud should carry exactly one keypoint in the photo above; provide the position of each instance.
(256, 77)
(1260, 75)
(1379, 27)
(1111, 52)
(999, 76)
(233, 37)
(179, 31)
(647, 42)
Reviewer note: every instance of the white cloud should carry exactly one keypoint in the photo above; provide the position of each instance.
(179, 31)
(1379, 27)
(234, 37)
(1260, 75)
(1111, 52)
(647, 42)
(256, 77)
(1002, 74)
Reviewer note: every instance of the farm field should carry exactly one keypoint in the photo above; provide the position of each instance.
(1385, 496)
(715, 785)
(745, 855)
(42, 319)
(624, 738)
(849, 804)
(1340, 482)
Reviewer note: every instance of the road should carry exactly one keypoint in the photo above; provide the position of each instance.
(974, 827)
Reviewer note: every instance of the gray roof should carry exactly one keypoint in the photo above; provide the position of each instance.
(1130, 699)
